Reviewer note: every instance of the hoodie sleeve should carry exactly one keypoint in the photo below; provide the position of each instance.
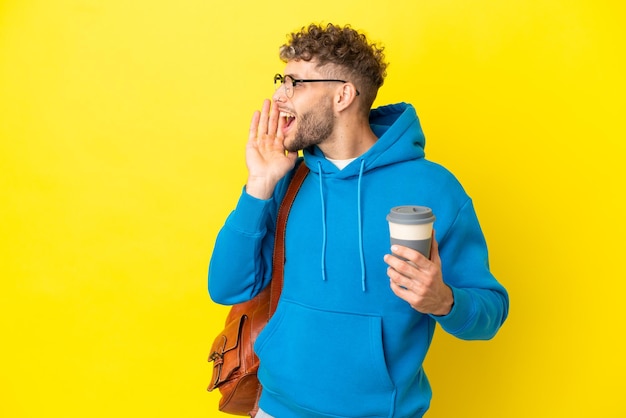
(481, 304)
(240, 265)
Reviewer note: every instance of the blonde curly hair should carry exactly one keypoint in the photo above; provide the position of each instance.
(350, 55)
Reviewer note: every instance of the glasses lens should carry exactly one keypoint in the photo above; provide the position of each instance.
(288, 82)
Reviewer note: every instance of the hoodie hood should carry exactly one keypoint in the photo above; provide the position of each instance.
(400, 138)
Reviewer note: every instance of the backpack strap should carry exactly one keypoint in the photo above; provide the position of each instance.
(278, 259)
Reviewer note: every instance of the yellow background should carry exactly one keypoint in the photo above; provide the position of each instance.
(122, 127)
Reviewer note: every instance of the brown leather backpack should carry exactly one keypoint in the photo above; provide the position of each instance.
(235, 364)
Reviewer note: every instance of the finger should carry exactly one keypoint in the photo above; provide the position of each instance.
(434, 251)
(399, 290)
(400, 266)
(254, 125)
(279, 129)
(410, 255)
(393, 261)
(265, 110)
(398, 278)
(403, 293)
(273, 120)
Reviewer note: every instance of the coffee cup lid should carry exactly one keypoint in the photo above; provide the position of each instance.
(411, 215)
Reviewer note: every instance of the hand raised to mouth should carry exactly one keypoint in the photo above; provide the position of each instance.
(266, 157)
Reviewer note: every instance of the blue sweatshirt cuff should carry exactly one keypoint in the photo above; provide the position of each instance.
(461, 314)
(250, 215)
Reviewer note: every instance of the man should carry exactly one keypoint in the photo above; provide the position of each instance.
(354, 323)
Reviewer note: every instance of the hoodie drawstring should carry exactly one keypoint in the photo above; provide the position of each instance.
(360, 226)
(319, 166)
(359, 219)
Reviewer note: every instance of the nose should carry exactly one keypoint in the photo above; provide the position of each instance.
(279, 95)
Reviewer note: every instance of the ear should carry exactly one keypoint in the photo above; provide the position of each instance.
(345, 96)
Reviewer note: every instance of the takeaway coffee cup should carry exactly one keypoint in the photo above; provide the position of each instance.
(412, 226)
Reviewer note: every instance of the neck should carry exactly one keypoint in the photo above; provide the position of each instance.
(349, 140)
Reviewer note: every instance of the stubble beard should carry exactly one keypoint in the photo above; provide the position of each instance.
(314, 127)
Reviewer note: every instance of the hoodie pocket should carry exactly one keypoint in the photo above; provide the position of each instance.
(328, 363)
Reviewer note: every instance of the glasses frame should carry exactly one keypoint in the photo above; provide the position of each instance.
(295, 81)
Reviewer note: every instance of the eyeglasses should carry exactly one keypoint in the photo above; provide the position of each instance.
(289, 82)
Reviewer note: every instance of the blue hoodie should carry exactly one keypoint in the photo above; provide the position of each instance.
(341, 343)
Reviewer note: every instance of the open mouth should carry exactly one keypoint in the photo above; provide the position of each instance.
(287, 118)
